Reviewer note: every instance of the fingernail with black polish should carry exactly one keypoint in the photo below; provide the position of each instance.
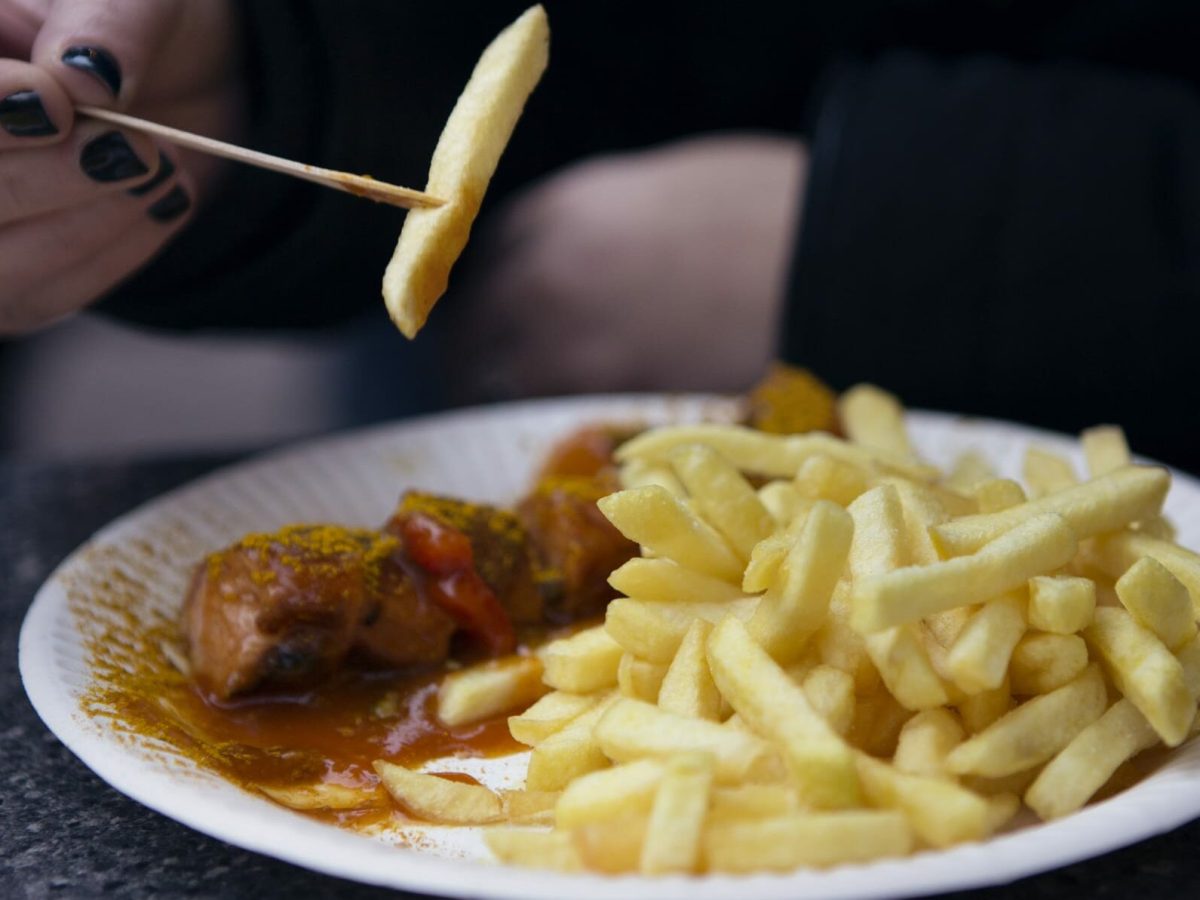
(172, 206)
(98, 63)
(166, 169)
(22, 115)
(110, 158)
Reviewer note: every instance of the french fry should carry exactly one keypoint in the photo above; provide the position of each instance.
(824, 478)
(922, 510)
(437, 799)
(568, 753)
(806, 839)
(783, 501)
(1084, 765)
(840, 646)
(582, 663)
(770, 455)
(663, 581)
(794, 609)
(531, 849)
(1034, 731)
(1157, 600)
(1105, 449)
(1104, 504)
(529, 807)
(998, 494)
(610, 793)
(970, 470)
(650, 516)
(1144, 671)
(640, 679)
(654, 631)
(723, 497)
(632, 730)
(830, 693)
(323, 795)
(941, 812)
(1034, 547)
(980, 710)
(902, 663)
(750, 801)
(874, 418)
(1062, 604)
(925, 740)
(612, 846)
(677, 818)
(820, 762)
(548, 715)
(1047, 472)
(1117, 552)
(1043, 662)
(979, 658)
(463, 163)
(687, 688)
(640, 472)
(488, 689)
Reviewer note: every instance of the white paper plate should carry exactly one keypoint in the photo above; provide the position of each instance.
(488, 454)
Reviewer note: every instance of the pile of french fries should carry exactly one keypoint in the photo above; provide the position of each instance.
(830, 652)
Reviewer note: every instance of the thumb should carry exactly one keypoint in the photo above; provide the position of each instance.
(100, 52)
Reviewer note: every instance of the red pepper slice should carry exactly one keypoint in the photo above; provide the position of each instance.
(445, 553)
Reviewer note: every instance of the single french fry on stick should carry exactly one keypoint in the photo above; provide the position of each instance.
(463, 163)
(437, 799)
(787, 842)
(650, 516)
(1144, 671)
(821, 763)
(1033, 547)
(1034, 731)
(1104, 504)
(723, 496)
(677, 818)
(794, 609)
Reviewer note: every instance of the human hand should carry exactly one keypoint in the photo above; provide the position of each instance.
(660, 269)
(83, 204)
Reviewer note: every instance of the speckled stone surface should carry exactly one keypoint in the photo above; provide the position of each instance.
(64, 833)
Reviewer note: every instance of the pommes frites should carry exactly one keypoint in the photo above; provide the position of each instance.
(830, 652)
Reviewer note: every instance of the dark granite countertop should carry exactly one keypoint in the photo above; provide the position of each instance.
(64, 833)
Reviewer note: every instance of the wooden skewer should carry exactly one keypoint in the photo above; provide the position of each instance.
(359, 185)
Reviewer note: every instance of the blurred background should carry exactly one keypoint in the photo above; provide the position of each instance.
(126, 379)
